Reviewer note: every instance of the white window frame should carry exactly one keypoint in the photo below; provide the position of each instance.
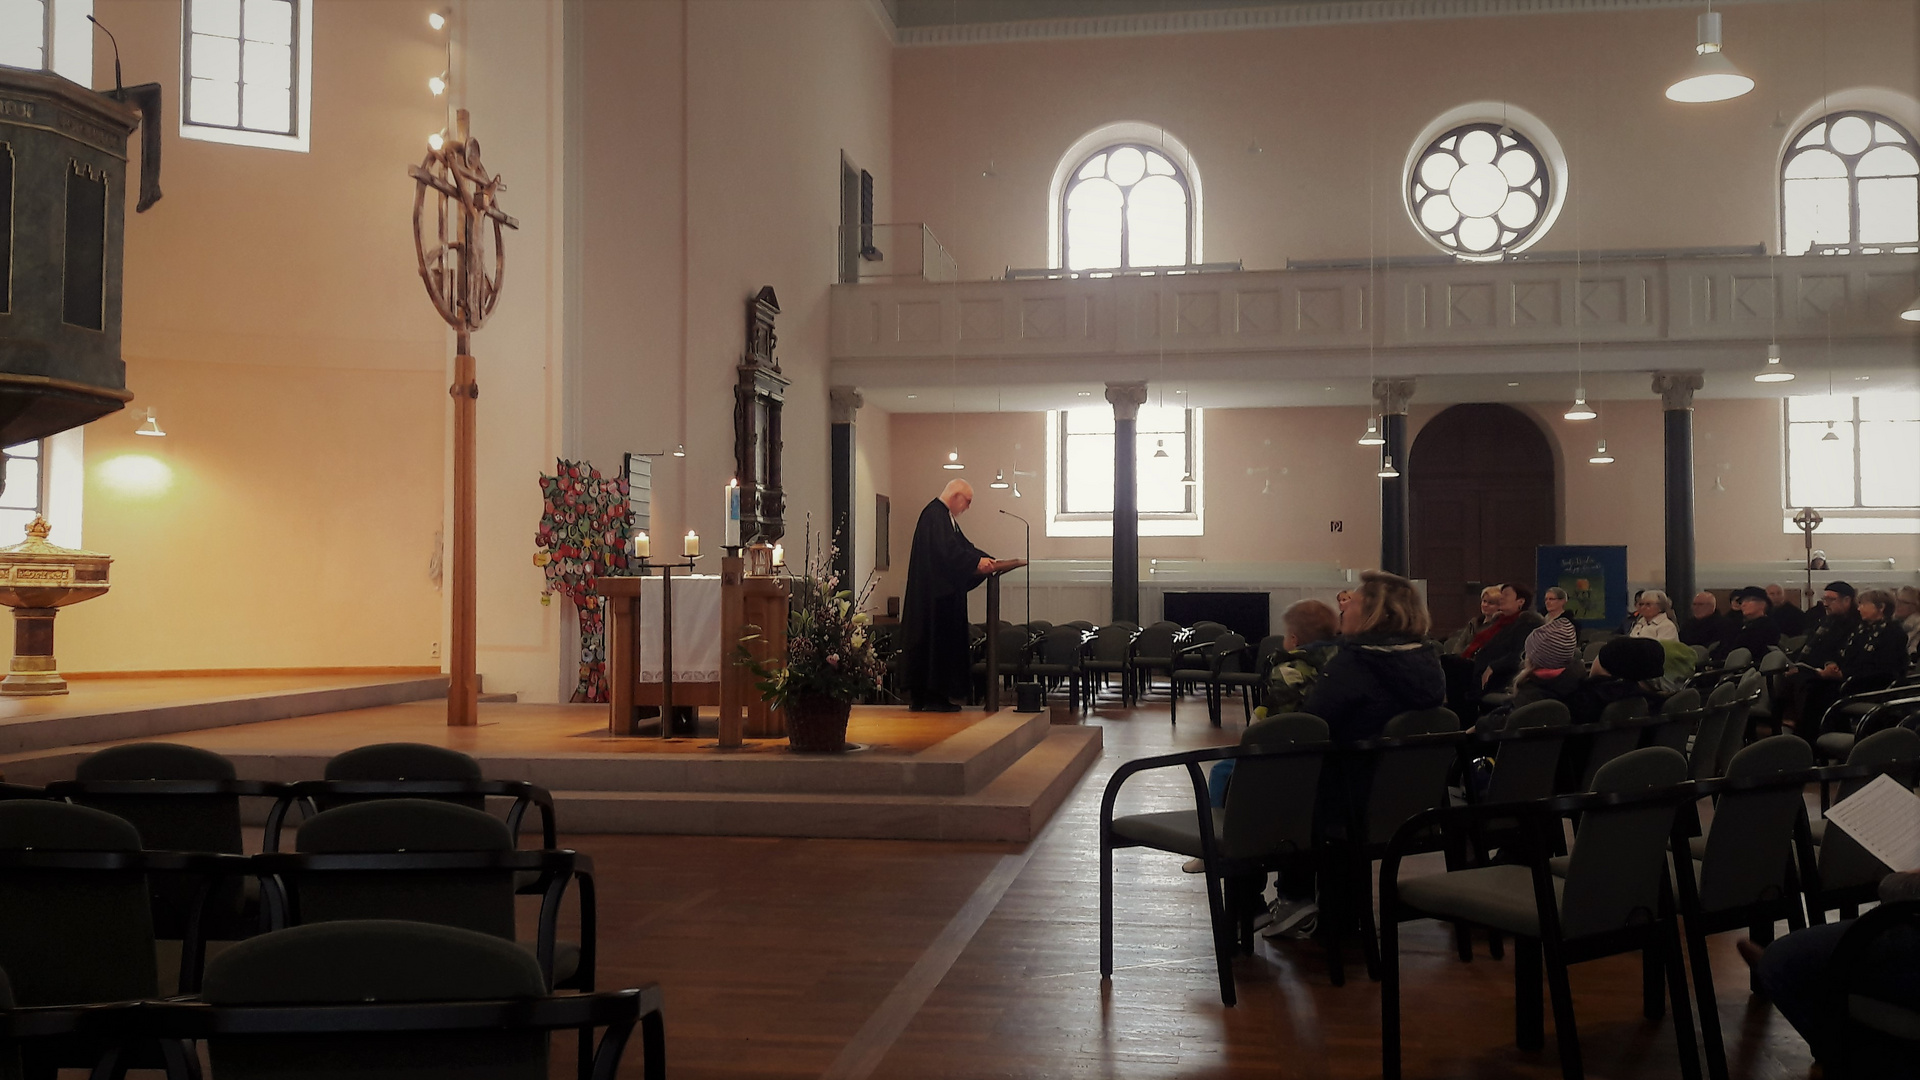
(1060, 523)
(1856, 519)
(1491, 112)
(1123, 131)
(300, 141)
(66, 42)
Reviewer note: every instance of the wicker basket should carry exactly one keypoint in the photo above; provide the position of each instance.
(817, 723)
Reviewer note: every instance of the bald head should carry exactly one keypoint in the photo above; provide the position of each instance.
(958, 495)
(1704, 605)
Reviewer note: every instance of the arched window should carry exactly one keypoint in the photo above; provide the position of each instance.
(1850, 183)
(1126, 207)
(1481, 190)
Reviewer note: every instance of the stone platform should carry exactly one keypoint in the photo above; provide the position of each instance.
(958, 776)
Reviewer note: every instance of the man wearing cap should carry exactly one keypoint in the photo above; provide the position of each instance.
(1756, 633)
(1809, 689)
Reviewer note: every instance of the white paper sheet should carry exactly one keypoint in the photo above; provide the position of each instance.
(1885, 817)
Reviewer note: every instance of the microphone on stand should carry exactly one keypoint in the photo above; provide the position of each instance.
(1027, 580)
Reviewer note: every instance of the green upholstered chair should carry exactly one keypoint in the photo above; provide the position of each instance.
(76, 921)
(1106, 654)
(180, 798)
(1267, 824)
(430, 861)
(1613, 898)
(402, 761)
(1740, 875)
(1836, 871)
(1056, 660)
(398, 1000)
(1153, 650)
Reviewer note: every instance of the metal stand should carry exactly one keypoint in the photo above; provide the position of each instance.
(992, 696)
(647, 567)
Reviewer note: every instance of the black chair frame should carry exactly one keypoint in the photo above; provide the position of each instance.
(556, 868)
(1854, 946)
(617, 1011)
(1230, 926)
(307, 794)
(1540, 825)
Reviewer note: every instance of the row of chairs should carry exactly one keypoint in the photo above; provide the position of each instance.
(1398, 804)
(1086, 659)
(137, 863)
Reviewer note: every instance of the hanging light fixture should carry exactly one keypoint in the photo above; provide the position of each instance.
(1600, 455)
(953, 462)
(436, 20)
(1372, 437)
(680, 450)
(1775, 371)
(1711, 76)
(1387, 471)
(1186, 478)
(1831, 435)
(151, 427)
(1580, 410)
(999, 481)
(1160, 448)
(1912, 313)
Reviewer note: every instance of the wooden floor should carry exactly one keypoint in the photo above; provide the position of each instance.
(505, 729)
(86, 696)
(853, 959)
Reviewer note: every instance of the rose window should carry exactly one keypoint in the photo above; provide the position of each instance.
(1480, 191)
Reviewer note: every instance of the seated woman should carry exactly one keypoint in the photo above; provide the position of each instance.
(1875, 655)
(1653, 617)
(1489, 611)
(1385, 666)
(1549, 671)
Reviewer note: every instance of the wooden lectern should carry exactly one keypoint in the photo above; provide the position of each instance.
(1000, 568)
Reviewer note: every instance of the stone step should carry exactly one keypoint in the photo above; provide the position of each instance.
(1012, 807)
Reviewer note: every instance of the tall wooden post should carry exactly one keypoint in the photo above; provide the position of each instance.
(463, 684)
(462, 259)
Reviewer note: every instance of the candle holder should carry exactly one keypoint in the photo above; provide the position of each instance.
(759, 560)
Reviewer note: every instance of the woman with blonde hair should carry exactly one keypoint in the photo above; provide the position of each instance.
(1489, 611)
(1385, 666)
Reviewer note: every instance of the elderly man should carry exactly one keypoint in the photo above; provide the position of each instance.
(1707, 626)
(1756, 633)
(943, 568)
(1784, 613)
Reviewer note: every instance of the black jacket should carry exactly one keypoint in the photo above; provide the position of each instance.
(1503, 653)
(1372, 679)
(1828, 642)
(1789, 618)
(1754, 635)
(1709, 631)
(1876, 650)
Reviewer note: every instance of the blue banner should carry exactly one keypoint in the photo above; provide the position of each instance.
(1594, 576)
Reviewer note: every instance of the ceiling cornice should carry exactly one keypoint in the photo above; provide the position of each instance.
(1278, 16)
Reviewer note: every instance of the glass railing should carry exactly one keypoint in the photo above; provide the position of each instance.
(899, 252)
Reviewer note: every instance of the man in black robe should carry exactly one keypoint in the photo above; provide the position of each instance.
(943, 568)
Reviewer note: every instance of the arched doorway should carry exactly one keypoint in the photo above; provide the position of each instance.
(1481, 486)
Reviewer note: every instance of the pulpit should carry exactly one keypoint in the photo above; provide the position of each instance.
(1000, 569)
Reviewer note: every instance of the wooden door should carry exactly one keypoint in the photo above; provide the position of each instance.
(1482, 491)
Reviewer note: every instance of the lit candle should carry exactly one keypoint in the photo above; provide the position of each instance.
(779, 555)
(691, 546)
(642, 547)
(730, 537)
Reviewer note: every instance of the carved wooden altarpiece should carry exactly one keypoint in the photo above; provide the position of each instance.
(758, 399)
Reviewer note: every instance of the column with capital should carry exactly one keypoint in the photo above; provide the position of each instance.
(1390, 397)
(1126, 398)
(844, 402)
(1676, 398)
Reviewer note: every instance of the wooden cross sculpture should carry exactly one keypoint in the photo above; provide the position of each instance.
(463, 271)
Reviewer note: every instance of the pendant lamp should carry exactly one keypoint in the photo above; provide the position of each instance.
(1711, 76)
(999, 481)
(150, 427)
(1600, 455)
(1387, 471)
(1775, 371)
(1372, 437)
(1580, 410)
(953, 462)
(1831, 435)
(1912, 313)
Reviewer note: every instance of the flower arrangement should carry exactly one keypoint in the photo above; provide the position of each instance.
(830, 646)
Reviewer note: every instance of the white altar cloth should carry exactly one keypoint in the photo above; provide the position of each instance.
(696, 629)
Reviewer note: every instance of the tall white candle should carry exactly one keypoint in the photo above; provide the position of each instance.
(779, 555)
(691, 546)
(642, 547)
(731, 536)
